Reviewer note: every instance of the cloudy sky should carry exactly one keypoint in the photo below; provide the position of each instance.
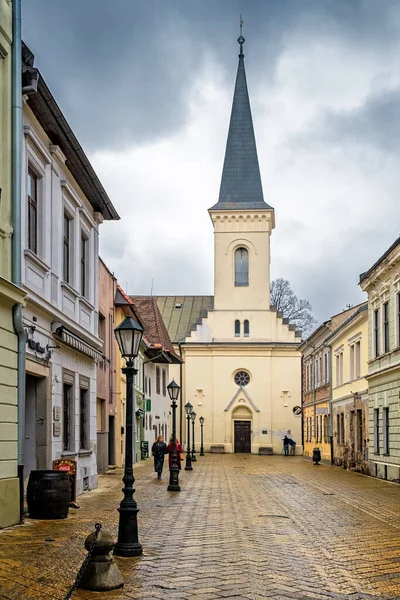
(147, 87)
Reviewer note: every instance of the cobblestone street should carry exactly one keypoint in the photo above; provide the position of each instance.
(248, 527)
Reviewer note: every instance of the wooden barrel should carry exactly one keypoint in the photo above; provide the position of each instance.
(48, 494)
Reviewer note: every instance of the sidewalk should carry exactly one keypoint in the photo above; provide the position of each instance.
(243, 527)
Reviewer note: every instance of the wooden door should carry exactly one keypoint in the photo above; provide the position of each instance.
(243, 436)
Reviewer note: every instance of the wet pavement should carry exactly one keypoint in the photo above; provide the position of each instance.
(244, 527)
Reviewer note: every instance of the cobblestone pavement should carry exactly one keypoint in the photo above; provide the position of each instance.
(244, 527)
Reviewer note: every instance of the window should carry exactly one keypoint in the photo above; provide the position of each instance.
(241, 267)
(376, 431)
(246, 328)
(316, 429)
(359, 431)
(242, 378)
(158, 384)
(342, 428)
(84, 243)
(32, 210)
(385, 429)
(310, 429)
(306, 429)
(237, 328)
(66, 250)
(67, 417)
(376, 332)
(84, 414)
(337, 369)
(326, 428)
(338, 428)
(149, 386)
(164, 382)
(352, 362)
(357, 359)
(316, 372)
(320, 429)
(326, 367)
(102, 327)
(386, 327)
(398, 317)
(145, 384)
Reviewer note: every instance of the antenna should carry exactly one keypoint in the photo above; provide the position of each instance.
(241, 39)
(151, 290)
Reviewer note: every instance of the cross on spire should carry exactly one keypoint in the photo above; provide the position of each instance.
(241, 39)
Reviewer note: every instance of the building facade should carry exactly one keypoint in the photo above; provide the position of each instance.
(348, 346)
(10, 294)
(63, 206)
(241, 363)
(106, 373)
(317, 387)
(382, 283)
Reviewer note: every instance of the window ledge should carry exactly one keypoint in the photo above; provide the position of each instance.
(69, 453)
(30, 255)
(67, 286)
(85, 302)
(386, 454)
(85, 452)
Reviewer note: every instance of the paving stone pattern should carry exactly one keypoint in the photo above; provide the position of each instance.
(243, 527)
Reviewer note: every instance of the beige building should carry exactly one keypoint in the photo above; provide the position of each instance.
(10, 294)
(348, 346)
(241, 364)
(382, 283)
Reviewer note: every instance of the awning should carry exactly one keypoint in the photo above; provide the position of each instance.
(73, 341)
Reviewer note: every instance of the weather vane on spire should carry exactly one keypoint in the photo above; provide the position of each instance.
(241, 39)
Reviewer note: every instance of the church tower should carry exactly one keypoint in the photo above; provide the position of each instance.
(241, 369)
(242, 220)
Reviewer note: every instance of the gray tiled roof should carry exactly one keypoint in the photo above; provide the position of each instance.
(241, 181)
(181, 314)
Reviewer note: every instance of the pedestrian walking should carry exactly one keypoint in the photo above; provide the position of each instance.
(159, 450)
(179, 451)
(286, 443)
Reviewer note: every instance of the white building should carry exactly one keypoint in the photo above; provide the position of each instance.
(64, 205)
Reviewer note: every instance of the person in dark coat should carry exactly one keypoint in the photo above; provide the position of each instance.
(159, 450)
(179, 449)
(286, 445)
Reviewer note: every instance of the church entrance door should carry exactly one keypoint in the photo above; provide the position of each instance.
(243, 436)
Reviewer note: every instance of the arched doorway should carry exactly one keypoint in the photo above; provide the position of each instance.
(242, 421)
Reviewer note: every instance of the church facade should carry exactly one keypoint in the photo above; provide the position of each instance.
(242, 368)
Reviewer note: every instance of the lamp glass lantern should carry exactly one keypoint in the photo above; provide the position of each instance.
(173, 390)
(188, 408)
(129, 335)
(193, 416)
(201, 420)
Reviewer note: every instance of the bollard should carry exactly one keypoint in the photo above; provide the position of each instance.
(316, 456)
(101, 573)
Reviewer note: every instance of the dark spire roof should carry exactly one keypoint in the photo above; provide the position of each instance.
(241, 181)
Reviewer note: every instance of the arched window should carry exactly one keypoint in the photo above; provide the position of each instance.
(237, 328)
(241, 267)
(246, 328)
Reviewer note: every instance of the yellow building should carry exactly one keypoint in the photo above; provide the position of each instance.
(10, 294)
(349, 351)
(241, 367)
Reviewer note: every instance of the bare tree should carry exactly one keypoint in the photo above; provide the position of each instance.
(298, 311)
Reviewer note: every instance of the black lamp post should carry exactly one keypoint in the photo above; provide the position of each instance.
(188, 410)
(193, 417)
(201, 436)
(173, 391)
(129, 335)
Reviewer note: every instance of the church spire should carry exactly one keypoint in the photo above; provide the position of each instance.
(241, 181)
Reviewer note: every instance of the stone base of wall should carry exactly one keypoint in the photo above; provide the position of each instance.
(9, 505)
(388, 472)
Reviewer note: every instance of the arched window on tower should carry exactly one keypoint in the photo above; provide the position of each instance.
(241, 267)
(237, 328)
(246, 328)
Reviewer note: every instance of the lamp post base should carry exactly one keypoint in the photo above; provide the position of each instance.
(188, 464)
(201, 451)
(127, 549)
(194, 459)
(173, 485)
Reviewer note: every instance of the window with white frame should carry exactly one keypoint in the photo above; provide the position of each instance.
(398, 317)
(246, 328)
(33, 207)
(237, 328)
(385, 430)
(241, 267)
(376, 332)
(326, 367)
(84, 265)
(357, 359)
(376, 431)
(67, 248)
(385, 326)
(316, 372)
(339, 368)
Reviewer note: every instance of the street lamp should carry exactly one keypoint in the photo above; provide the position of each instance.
(188, 410)
(129, 335)
(193, 417)
(173, 391)
(201, 436)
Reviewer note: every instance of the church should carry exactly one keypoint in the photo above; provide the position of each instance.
(241, 369)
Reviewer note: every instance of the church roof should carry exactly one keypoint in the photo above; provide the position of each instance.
(181, 314)
(241, 186)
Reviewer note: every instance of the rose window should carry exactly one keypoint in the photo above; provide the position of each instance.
(242, 378)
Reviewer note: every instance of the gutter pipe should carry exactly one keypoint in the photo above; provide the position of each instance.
(16, 171)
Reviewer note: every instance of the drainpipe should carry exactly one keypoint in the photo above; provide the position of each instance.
(330, 405)
(180, 383)
(302, 401)
(16, 172)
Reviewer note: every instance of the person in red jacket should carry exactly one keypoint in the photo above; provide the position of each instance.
(179, 449)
